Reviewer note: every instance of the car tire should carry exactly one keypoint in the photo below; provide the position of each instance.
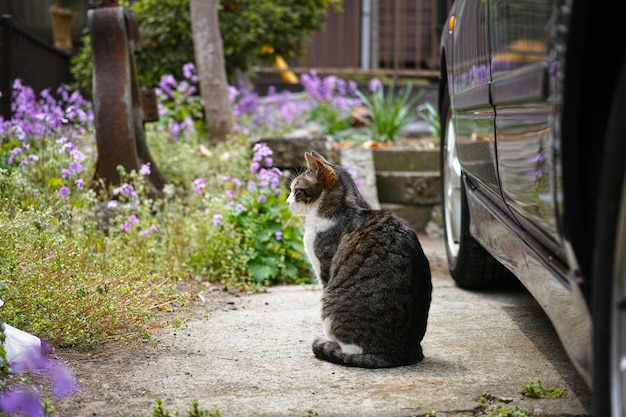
(470, 265)
(609, 268)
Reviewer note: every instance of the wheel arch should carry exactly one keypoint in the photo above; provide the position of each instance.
(590, 77)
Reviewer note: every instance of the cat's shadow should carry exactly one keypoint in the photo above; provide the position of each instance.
(434, 366)
(428, 367)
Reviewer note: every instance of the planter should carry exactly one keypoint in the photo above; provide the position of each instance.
(288, 152)
(62, 27)
(288, 155)
(403, 178)
(407, 179)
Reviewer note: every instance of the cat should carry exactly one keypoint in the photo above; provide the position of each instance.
(375, 277)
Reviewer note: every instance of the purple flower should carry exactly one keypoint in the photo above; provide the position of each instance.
(126, 190)
(217, 219)
(126, 226)
(63, 382)
(133, 218)
(261, 199)
(64, 192)
(76, 167)
(25, 401)
(278, 235)
(189, 72)
(261, 150)
(80, 183)
(374, 84)
(199, 184)
(167, 82)
(232, 94)
(77, 155)
(66, 173)
(22, 401)
(145, 169)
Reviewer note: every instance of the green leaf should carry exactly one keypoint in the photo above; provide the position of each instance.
(259, 272)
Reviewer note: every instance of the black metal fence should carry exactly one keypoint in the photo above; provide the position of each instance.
(37, 63)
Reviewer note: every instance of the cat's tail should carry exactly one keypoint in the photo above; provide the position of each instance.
(331, 352)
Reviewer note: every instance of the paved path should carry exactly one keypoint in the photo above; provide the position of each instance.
(252, 357)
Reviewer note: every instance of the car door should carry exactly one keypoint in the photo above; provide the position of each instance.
(524, 114)
(474, 116)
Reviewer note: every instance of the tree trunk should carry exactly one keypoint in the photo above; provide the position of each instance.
(209, 52)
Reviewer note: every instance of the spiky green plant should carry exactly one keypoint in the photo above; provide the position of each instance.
(389, 111)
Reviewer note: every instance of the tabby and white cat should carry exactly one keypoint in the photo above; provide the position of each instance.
(376, 279)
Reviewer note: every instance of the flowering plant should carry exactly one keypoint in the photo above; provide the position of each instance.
(268, 240)
(181, 109)
(276, 113)
(18, 394)
(332, 100)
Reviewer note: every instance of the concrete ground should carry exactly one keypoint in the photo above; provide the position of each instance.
(251, 356)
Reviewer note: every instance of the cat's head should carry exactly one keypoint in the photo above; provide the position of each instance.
(323, 182)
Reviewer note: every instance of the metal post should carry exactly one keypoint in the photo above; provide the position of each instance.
(6, 79)
(118, 110)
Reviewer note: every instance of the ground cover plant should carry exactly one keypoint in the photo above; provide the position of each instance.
(81, 266)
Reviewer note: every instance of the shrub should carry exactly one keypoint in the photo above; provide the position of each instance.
(246, 26)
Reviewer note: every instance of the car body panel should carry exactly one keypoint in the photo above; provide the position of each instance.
(502, 61)
(470, 93)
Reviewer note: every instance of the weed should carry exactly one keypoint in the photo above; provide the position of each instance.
(513, 411)
(194, 411)
(536, 390)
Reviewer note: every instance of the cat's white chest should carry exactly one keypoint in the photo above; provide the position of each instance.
(314, 225)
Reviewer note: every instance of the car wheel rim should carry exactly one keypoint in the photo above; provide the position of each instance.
(618, 314)
(452, 191)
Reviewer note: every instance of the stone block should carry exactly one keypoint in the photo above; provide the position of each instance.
(417, 216)
(398, 159)
(408, 187)
(288, 152)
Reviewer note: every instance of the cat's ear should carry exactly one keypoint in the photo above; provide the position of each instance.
(322, 168)
(311, 161)
(320, 157)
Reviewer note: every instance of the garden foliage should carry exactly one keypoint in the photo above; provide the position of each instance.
(82, 265)
(246, 26)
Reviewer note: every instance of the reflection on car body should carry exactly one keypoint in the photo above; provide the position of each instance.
(532, 181)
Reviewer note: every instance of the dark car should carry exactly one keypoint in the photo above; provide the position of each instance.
(532, 101)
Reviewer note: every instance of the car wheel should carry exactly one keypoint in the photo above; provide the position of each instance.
(470, 265)
(609, 270)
